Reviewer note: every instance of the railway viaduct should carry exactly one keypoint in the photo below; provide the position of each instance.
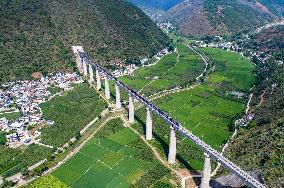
(86, 66)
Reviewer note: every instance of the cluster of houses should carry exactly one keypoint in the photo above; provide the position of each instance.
(162, 53)
(155, 15)
(166, 26)
(234, 47)
(239, 46)
(129, 69)
(24, 97)
(229, 46)
(246, 119)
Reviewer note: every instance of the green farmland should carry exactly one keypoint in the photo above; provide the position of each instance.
(13, 161)
(208, 116)
(48, 181)
(171, 71)
(117, 157)
(71, 113)
(114, 157)
(207, 109)
(232, 71)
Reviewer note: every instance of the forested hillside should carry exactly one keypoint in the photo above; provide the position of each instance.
(260, 146)
(38, 35)
(219, 17)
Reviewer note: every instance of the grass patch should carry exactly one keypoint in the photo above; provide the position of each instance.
(237, 70)
(11, 116)
(47, 181)
(53, 90)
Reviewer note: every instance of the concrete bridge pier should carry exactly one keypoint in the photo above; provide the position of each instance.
(98, 78)
(117, 97)
(85, 67)
(80, 64)
(107, 91)
(172, 147)
(206, 172)
(91, 72)
(131, 110)
(149, 125)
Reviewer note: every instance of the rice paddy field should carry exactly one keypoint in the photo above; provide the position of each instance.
(115, 157)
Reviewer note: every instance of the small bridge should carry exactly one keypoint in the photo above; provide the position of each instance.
(86, 65)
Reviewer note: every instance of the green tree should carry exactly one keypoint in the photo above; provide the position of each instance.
(3, 139)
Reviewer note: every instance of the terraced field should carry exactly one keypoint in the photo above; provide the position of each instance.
(115, 157)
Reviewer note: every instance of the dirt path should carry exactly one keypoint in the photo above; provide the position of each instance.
(184, 177)
(156, 153)
(178, 89)
(261, 98)
(71, 154)
(10, 112)
(204, 58)
(248, 104)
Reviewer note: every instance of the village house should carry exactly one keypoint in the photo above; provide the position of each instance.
(26, 96)
(3, 124)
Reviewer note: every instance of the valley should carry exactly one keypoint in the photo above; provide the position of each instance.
(202, 107)
(96, 94)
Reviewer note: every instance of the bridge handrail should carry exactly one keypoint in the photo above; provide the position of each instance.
(247, 178)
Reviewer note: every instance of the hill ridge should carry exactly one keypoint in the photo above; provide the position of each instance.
(218, 17)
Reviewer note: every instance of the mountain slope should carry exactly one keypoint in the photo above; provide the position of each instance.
(218, 17)
(275, 6)
(260, 146)
(38, 35)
